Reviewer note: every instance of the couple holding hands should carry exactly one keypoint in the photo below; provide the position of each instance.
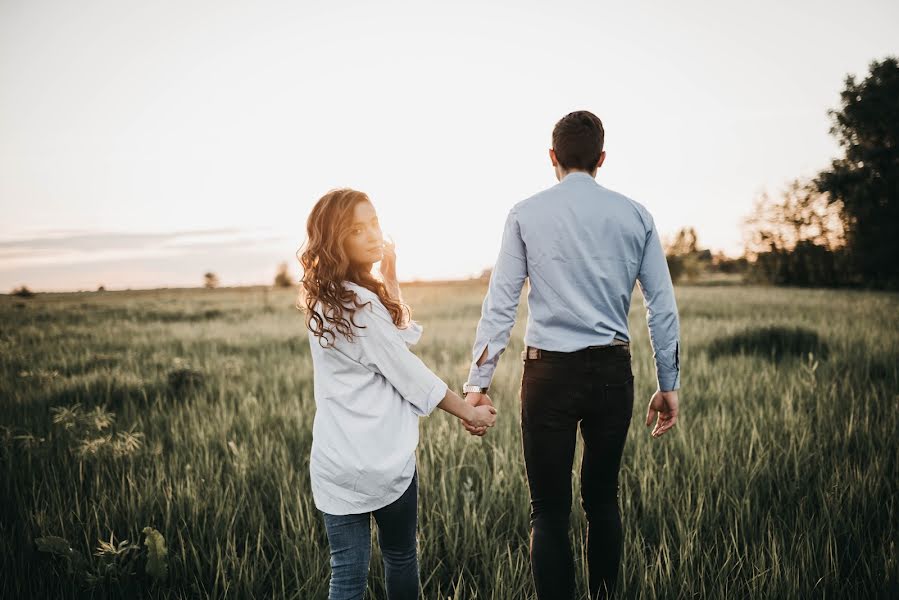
(583, 247)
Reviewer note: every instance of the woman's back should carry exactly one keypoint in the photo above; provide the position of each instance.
(369, 393)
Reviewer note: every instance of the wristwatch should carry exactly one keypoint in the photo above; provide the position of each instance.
(473, 388)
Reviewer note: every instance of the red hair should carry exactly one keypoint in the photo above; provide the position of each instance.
(326, 265)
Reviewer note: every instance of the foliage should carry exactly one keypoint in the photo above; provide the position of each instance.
(283, 278)
(157, 565)
(865, 180)
(839, 228)
(685, 260)
(797, 239)
(778, 481)
(800, 215)
(23, 292)
(184, 378)
(115, 565)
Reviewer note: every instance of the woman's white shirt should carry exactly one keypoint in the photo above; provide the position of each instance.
(369, 394)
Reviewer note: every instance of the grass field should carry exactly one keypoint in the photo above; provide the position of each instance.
(190, 411)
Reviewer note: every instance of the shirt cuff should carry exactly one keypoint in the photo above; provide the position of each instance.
(411, 334)
(479, 377)
(434, 397)
(669, 381)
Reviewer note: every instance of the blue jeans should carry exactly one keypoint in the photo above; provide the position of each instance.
(349, 537)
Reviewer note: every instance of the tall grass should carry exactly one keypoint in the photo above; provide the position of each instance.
(779, 481)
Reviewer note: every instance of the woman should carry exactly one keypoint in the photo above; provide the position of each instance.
(370, 390)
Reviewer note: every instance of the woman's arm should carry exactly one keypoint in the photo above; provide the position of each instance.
(476, 416)
(379, 346)
(388, 271)
(393, 288)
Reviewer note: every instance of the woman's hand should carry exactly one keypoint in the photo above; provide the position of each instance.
(388, 262)
(482, 416)
(476, 399)
(388, 270)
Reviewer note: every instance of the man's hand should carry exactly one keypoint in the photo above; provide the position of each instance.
(476, 399)
(482, 416)
(665, 405)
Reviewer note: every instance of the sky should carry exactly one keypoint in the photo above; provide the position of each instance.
(145, 143)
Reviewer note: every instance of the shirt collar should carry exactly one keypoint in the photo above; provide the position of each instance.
(575, 175)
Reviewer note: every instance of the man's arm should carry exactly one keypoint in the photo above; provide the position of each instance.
(661, 311)
(497, 313)
(500, 304)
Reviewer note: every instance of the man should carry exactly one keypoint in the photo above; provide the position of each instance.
(583, 247)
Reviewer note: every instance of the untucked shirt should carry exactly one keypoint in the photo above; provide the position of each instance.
(582, 247)
(369, 394)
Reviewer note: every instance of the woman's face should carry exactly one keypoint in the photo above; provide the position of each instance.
(364, 244)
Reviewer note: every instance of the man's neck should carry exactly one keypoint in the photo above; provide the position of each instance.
(563, 174)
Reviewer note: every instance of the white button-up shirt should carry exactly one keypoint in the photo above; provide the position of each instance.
(369, 394)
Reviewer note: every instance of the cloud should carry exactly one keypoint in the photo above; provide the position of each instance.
(246, 265)
(21, 256)
(104, 241)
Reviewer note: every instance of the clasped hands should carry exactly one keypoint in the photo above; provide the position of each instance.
(483, 402)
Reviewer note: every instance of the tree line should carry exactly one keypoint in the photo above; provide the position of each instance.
(837, 228)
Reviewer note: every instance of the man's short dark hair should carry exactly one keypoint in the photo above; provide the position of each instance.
(577, 140)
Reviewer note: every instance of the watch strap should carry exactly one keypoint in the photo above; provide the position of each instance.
(473, 388)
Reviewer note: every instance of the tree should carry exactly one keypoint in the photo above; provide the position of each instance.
(210, 280)
(684, 242)
(866, 179)
(798, 239)
(684, 257)
(721, 263)
(23, 292)
(802, 214)
(283, 278)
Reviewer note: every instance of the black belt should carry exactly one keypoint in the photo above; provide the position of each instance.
(533, 353)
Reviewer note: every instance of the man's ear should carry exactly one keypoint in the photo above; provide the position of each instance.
(552, 157)
(602, 158)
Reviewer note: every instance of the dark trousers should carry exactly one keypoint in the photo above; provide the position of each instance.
(592, 389)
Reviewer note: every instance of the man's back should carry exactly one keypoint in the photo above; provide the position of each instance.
(583, 247)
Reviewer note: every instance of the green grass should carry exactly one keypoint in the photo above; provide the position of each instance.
(779, 481)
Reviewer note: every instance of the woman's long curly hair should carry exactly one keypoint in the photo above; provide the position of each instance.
(325, 266)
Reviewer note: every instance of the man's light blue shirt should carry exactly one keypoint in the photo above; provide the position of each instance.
(583, 247)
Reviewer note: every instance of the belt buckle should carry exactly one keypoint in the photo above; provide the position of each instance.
(531, 353)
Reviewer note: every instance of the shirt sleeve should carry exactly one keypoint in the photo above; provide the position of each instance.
(655, 284)
(500, 306)
(385, 350)
(411, 334)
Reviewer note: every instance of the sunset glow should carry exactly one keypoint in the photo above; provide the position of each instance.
(143, 144)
